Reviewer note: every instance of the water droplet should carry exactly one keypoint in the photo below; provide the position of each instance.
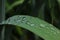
(32, 24)
(52, 29)
(28, 22)
(19, 16)
(47, 27)
(24, 18)
(42, 25)
(9, 23)
(54, 32)
(18, 20)
(24, 21)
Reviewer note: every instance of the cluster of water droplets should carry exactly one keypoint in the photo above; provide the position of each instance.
(49, 29)
(24, 19)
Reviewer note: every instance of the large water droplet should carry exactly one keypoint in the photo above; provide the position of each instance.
(24, 18)
(24, 21)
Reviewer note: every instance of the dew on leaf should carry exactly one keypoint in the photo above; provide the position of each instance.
(53, 29)
(42, 25)
(32, 24)
(28, 22)
(24, 18)
(18, 20)
(24, 21)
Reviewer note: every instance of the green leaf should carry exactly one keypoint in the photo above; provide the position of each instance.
(2, 33)
(14, 4)
(41, 11)
(58, 2)
(54, 12)
(35, 25)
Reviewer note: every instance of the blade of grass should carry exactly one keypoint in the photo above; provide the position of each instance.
(59, 2)
(2, 18)
(38, 26)
(14, 4)
(41, 11)
(54, 11)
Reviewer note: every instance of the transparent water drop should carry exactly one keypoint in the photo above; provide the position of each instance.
(28, 22)
(19, 16)
(24, 18)
(47, 27)
(18, 20)
(53, 29)
(32, 24)
(42, 25)
(24, 21)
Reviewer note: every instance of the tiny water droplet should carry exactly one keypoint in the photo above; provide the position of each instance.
(24, 21)
(54, 32)
(52, 29)
(32, 24)
(19, 16)
(47, 27)
(42, 25)
(28, 22)
(18, 20)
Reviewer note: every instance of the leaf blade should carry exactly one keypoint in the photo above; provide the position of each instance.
(35, 25)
